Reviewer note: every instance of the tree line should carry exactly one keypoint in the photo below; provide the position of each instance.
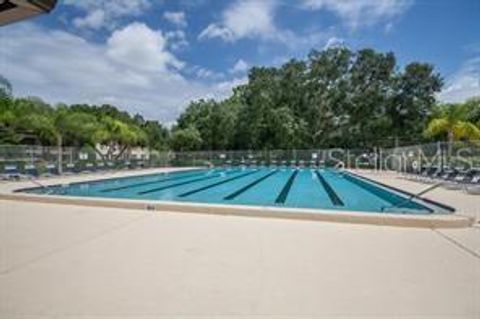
(334, 98)
(32, 121)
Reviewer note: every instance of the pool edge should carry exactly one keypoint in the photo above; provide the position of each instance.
(404, 192)
(368, 218)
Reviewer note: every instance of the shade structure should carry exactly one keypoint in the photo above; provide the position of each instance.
(16, 10)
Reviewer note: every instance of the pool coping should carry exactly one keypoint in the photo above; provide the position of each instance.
(338, 216)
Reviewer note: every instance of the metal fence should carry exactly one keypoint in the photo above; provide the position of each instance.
(405, 159)
(440, 155)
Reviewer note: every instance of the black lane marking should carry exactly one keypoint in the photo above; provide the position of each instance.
(385, 193)
(330, 192)
(215, 184)
(446, 207)
(178, 184)
(158, 181)
(282, 197)
(247, 187)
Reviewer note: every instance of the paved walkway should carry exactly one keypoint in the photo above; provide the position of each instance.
(81, 262)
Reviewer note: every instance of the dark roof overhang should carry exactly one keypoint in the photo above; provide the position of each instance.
(15, 10)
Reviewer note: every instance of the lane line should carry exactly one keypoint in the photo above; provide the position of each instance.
(282, 197)
(158, 181)
(247, 187)
(386, 194)
(334, 198)
(179, 184)
(201, 189)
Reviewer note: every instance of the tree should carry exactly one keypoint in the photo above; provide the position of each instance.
(327, 95)
(213, 120)
(156, 135)
(5, 88)
(452, 123)
(119, 136)
(187, 139)
(472, 107)
(414, 99)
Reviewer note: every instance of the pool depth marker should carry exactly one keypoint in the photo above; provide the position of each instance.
(247, 187)
(330, 192)
(215, 184)
(282, 197)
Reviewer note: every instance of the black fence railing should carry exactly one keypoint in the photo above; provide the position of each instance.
(407, 158)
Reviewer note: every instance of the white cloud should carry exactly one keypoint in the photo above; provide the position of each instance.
(334, 42)
(244, 19)
(256, 19)
(177, 39)
(105, 13)
(356, 13)
(94, 20)
(177, 18)
(139, 47)
(463, 84)
(216, 31)
(204, 73)
(139, 76)
(240, 67)
(223, 89)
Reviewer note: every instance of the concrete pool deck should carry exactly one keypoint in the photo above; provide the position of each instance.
(65, 261)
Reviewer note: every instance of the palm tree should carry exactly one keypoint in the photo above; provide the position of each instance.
(452, 121)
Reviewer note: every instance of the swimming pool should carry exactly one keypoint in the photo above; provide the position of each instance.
(257, 186)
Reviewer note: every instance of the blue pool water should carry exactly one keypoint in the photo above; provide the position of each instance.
(261, 186)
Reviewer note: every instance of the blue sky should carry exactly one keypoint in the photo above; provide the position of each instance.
(153, 56)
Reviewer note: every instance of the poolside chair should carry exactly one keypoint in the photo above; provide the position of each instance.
(431, 175)
(424, 174)
(30, 170)
(457, 182)
(448, 174)
(89, 168)
(412, 175)
(110, 165)
(126, 165)
(100, 166)
(69, 169)
(10, 172)
(473, 186)
(51, 170)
